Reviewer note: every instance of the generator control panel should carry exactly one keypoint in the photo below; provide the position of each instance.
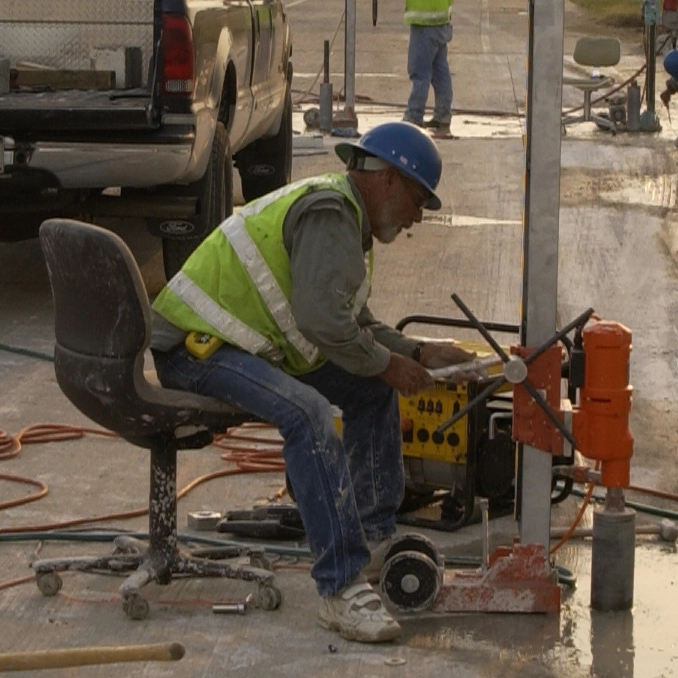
(422, 413)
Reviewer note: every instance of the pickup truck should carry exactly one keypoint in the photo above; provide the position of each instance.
(141, 109)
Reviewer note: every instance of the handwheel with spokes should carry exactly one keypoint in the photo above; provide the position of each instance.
(515, 371)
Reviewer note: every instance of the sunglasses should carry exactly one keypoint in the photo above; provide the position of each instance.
(419, 195)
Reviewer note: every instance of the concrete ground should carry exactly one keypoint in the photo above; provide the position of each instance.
(617, 237)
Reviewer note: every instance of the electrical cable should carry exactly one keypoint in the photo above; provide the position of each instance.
(247, 461)
(643, 508)
(26, 352)
(578, 517)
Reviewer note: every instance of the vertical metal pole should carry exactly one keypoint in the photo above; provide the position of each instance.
(540, 235)
(326, 97)
(649, 120)
(349, 64)
(348, 118)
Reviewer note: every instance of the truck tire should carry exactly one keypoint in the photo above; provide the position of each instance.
(267, 164)
(215, 196)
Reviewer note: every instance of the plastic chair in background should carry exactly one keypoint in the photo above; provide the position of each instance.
(594, 53)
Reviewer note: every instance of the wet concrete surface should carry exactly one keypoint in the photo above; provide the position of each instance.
(617, 236)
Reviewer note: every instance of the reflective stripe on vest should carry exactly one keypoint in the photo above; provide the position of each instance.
(226, 324)
(248, 246)
(267, 285)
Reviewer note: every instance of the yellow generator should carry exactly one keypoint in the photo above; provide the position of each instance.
(446, 471)
(448, 466)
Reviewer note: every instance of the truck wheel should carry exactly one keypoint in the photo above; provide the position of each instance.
(215, 198)
(267, 164)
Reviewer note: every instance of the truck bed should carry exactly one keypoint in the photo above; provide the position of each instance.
(76, 110)
(76, 65)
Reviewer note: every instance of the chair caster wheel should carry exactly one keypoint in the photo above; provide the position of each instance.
(259, 559)
(269, 597)
(135, 607)
(49, 583)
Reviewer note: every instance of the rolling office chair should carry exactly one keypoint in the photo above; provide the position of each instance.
(594, 53)
(102, 327)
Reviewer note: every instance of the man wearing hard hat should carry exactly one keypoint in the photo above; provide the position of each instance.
(281, 289)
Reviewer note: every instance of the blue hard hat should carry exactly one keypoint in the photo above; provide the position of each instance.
(671, 63)
(404, 146)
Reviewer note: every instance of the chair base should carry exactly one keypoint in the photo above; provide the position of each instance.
(149, 565)
(588, 116)
(159, 560)
(603, 123)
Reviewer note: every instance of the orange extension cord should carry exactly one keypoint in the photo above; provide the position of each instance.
(247, 458)
(250, 458)
(240, 447)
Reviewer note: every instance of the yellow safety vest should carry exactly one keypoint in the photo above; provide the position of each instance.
(237, 284)
(428, 12)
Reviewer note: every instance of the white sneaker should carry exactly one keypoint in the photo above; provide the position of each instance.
(358, 614)
(372, 571)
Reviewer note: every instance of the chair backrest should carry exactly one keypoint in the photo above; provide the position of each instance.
(102, 326)
(592, 51)
(101, 306)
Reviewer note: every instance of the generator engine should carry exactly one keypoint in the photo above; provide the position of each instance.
(475, 456)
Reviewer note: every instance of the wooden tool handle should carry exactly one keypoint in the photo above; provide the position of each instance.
(80, 656)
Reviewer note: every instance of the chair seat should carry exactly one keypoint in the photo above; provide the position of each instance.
(591, 84)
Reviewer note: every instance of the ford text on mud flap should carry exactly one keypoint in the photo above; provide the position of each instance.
(140, 109)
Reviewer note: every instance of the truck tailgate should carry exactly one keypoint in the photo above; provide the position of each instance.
(76, 64)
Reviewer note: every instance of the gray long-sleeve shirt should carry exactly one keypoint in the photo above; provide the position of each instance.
(327, 267)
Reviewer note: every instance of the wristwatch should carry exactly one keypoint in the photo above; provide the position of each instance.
(416, 351)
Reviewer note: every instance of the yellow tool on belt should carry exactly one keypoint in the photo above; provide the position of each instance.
(202, 345)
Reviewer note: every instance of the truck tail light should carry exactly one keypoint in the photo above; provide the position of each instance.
(177, 56)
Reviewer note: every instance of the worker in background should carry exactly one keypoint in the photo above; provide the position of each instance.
(430, 31)
(671, 67)
(283, 284)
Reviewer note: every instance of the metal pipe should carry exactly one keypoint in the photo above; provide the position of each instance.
(484, 512)
(540, 236)
(326, 96)
(233, 607)
(349, 54)
(613, 555)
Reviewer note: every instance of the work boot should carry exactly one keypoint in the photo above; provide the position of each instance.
(418, 123)
(436, 124)
(372, 571)
(440, 130)
(358, 614)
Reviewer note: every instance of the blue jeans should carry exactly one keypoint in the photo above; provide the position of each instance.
(347, 491)
(427, 65)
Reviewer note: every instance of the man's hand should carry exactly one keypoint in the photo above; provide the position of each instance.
(406, 375)
(434, 355)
